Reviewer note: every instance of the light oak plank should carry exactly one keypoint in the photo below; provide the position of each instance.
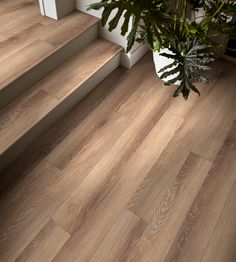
(126, 89)
(222, 245)
(195, 232)
(218, 70)
(134, 148)
(79, 68)
(209, 144)
(121, 151)
(14, 67)
(28, 208)
(144, 201)
(18, 41)
(22, 115)
(106, 190)
(33, 106)
(124, 234)
(17, 11)
(65, 127)
(45, 245)
(172, 209)
(74, 24)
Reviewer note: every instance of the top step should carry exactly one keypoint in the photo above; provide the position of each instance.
(35, 42)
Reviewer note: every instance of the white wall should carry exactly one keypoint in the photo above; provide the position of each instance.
(56, 9)
(127, 60)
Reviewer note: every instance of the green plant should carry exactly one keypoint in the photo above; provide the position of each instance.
(169, 24)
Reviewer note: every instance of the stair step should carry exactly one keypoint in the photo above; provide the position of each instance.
(22, 121)
(38, 49)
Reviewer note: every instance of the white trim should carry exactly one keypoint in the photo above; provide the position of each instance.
(56, 9)
(41, 6)
(50, 7)
(127, 59)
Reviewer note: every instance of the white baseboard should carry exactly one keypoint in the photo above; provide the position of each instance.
(127, 59)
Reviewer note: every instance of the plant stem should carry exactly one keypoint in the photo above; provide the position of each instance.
(177, 14)
(184, 16)
(216, 13)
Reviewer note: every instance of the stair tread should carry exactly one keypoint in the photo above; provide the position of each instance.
(32, 106)
(31, 49)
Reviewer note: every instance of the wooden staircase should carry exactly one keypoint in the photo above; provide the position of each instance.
(40, 82)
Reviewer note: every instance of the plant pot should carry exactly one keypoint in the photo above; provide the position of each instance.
(162, 61)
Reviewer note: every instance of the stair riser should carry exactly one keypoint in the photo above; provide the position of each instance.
(26, 81)
(22, 144)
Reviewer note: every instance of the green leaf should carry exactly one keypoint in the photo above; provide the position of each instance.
(105, 15)
(125, 26)
(168, 66)
(114, 22)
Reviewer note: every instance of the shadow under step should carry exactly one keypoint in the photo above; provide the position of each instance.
(25, 119)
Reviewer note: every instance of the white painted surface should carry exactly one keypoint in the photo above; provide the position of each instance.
(41, 6)
(162, 61)
(56, 9)
(127, 59)
(50, 8)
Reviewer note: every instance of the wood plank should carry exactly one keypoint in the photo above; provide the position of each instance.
(144, 202)
(171, 212)
(218, 70)
(75, 24)
(124, 234)
(220, 123)
(33, 106)
(22, 115)
(18, 11)
(65, 126)
(20, 24)
(123, 88)
(121, 151)
(104, 193)
(222, 245)
(23, 61)
(20, 40)
(195, 232)
(28, 208)
(51, 236)
(64, 80)
(131, 155)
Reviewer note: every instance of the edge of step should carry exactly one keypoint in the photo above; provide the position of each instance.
(11, 151)
(14, 87)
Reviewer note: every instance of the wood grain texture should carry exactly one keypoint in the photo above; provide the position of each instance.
(17, 64)
(195, 232)
(124, 234)
(105, 197)
(27, 210)
(121, 174)
(196, 124)
(27, 38)
(222, 244)
(30, 108)
(79, 68)
(128, 89)
(172, 210)
(51, 235)
(21, 116)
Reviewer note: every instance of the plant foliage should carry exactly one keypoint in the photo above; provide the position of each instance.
(169, 24)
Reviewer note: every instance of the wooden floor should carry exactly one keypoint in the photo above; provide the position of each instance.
(23, 30)
(130, 174)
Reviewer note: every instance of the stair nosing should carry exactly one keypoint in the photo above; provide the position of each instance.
(58, 101)
(6, 83)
